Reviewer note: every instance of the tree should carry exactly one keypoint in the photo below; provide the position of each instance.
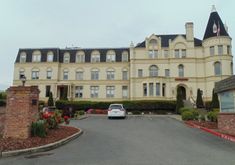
(199, 101)
(215, 100)
(179, 100)
(50, 100)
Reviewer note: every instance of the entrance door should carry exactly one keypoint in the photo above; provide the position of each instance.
(63, 92)
(183, 92)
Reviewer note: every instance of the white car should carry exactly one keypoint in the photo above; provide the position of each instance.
(116, 110)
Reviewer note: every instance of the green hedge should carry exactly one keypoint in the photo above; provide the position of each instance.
(190, 115)
(143, 105)
(2, 103)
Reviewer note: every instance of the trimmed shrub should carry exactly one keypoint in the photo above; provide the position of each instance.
(143, 105)
(213, 115)
(190, 115)
(202, 117)
(199, 101)
(50, 100)
(38, 128)
(179, 100)
(184, 109)
(215, 100)
(187, 115)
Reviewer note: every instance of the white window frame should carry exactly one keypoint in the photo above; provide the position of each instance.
(49, 74)
(124, 92)
(79, 75)
(94, 74)
(65, 74)
(140, 73)
(110, 91)
(95, 58)
(66, 57)
(78, 91)
(50, 57)
(94, 91)
(23, 57)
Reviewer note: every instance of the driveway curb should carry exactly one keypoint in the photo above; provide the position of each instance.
(221, 135)
(42, 148)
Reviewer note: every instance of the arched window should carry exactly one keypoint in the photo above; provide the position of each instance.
(36, 56)
(66, 57)
(80, 57)
(35, 74)
(110, 74)
(21, 73)
(153, 71)
(50, 56)
(153, 42)
(217, 68)
(124, 56)
(181, 70)
(110, 56)
(95, 56)
(22, 57)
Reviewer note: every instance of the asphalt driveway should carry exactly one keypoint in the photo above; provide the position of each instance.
(133, 141)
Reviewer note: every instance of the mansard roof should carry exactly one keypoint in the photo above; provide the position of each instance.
(59, 53)
(214, 20)
(165, 40)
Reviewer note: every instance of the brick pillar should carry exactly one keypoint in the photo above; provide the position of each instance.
(21, 111)
(226, 123)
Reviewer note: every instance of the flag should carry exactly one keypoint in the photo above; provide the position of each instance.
(218, 30)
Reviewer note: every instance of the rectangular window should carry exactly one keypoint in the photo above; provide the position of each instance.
(153, 53)
(50, 58)
(110, 75)
(220, 49)
(124, 91)
(140, 72)
(48, 90)
(94, 75)
(36, 58)
(65, 75)
(228, 50)
(79, 91)
(183, 53)
(157, 89)
(166, 53)
(212, 50)
(124, 75)
(49, 74)
(35, 75)
(167, 72)
(110, 58)
(79, 75)
(80, 58)
(150, 89)
(21, 73)
(145, 89)
(23, 58)
(177, 53)
(94, 91)
(110, 91)
(124, 57)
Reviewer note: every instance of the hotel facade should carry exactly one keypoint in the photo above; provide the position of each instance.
(150, 70)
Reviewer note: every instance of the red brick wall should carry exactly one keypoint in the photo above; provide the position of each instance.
(226, 123)
(20, 111)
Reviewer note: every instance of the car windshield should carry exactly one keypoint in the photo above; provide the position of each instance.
(115, 106)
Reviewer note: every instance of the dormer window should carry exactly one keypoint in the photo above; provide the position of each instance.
(125, 56)
(22, 57)
(66, 57)
(50, 56)
(80, 57)
(110, 57)
(153, 53)
(36, 56)
(95, 56)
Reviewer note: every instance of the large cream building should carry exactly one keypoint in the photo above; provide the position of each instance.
(152, 69)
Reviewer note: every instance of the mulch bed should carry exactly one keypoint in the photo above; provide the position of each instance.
(54, 135)
(206, 124)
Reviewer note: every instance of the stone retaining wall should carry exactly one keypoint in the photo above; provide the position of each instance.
(226, 123)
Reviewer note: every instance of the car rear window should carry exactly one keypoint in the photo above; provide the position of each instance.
(115, 106)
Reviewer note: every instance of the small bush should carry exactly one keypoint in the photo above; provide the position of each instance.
(184, 109)
(38, 128)
(190, 115)
(81, 112)
(202, 117)
(187, 115)
(213, 116)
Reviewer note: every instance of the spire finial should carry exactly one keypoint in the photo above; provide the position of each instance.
(213, 9)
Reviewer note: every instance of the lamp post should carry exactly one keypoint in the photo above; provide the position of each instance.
(23, 79)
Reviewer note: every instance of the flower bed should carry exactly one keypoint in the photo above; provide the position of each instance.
(53, 135)
(206, 124)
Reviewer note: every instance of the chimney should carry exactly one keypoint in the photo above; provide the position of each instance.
(189, 31)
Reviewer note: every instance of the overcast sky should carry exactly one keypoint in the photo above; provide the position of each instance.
(97, 23)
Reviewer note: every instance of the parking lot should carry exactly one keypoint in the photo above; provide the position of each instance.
(158, 140)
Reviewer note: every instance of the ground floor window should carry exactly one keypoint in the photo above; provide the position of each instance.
(145, 89)
(157, 89)
(35, 75)
(124, 91)
(110, 90)
(79, 91)
(151, 89)
(94, 91)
